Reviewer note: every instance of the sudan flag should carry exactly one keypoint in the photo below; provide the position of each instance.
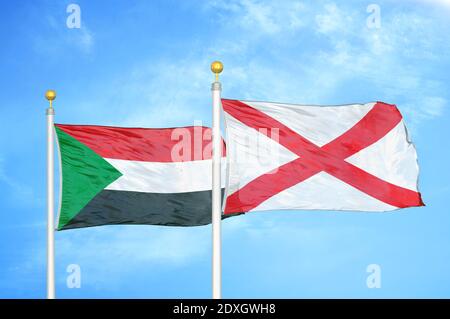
(114, 175)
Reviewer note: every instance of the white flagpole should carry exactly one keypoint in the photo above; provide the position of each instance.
(50, 95)
(216, 68)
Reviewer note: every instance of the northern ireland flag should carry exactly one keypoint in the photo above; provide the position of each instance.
(352, 157)
(114, 175)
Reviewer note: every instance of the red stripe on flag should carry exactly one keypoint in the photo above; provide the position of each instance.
(145, 144)
(379, 121)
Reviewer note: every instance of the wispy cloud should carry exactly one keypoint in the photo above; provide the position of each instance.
(441, 3)
(292, 52)
(169, 93)
(332, 20)
(21, 193)
(261, 17)
(84, 40)
(143, 245)
(59, 38)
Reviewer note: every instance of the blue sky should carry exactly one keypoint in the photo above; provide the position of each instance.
(146, 63)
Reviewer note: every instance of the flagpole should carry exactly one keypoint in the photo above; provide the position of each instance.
(50, 95)
(216, 88)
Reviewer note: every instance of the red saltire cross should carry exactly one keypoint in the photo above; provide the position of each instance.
(329, 158)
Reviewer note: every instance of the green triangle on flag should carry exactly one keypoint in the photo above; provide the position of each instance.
(84, 175)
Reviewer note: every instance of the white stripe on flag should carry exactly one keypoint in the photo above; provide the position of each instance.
(157, 177)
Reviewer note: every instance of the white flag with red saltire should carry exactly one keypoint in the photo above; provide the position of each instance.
(349, 157)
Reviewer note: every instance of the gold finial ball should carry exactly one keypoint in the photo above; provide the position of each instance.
(216, 67)
(50, 95)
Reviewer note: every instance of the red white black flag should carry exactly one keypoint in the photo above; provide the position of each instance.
(117, 175)
(350, 157)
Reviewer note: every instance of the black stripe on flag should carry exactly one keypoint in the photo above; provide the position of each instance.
(112, 207)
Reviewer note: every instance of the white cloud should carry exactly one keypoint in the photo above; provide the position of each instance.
(143, 245)
(262, 17)
(424, 108)
(59, 38)
(144, 248)
(20, 193)
(442, 3)
(167, 93)
(332, 20)
(170, 92)
(84, 39)
(349, 52)
(434, 106)
(389, 59)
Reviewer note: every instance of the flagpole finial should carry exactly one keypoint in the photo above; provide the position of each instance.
(217, 68)
(50, 95)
